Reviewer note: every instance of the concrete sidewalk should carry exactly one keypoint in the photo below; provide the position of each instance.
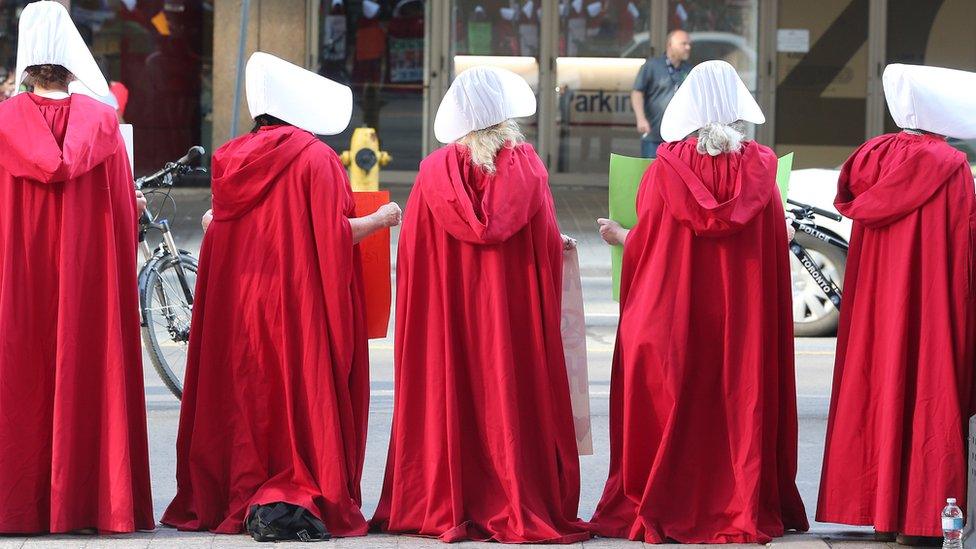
(168, 538)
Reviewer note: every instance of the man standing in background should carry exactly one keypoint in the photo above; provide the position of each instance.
(656, 83)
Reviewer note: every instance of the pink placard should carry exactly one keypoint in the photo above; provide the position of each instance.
(574, 346)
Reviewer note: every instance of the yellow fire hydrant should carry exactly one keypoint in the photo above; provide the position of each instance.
(364, 160)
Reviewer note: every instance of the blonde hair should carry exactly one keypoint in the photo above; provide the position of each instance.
(715, 139)
(485, 144)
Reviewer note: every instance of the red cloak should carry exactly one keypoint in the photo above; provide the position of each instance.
(73, 447)
(277, 380)
(902, 392)
(703, 426)
(483, 444)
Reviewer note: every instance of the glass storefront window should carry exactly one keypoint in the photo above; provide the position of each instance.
(500, 33)
(377, 48)
(602, 45)
(158, 56)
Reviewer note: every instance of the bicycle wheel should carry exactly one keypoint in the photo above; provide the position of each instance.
(166, 317)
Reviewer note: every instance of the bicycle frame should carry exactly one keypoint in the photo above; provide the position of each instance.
(166, 247)
(162, 302)
(820, 235)
(826, 285)
(147, 222)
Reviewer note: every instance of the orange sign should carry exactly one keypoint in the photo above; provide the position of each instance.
(375, 253)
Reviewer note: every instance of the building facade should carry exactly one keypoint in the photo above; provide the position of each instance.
(814, 66)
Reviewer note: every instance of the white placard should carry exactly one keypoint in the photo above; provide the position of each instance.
(793, 40)
(126, 130)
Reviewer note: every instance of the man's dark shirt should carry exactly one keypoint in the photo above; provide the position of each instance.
(658, 79)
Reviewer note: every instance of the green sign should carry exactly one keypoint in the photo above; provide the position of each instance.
(783, 171)
(625, 177)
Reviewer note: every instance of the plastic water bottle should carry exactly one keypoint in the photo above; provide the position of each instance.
(952, 525)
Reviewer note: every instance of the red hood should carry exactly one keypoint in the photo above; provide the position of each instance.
(31, 151)
(894, 174)
(246, 168)
(480, 208)
(715, 195)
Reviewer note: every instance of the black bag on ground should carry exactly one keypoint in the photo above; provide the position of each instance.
(282, 521)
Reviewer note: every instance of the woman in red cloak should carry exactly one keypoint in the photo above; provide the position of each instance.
(703, 426)
(73, 448)
(903, 377)
(483, 444)
(276, 391)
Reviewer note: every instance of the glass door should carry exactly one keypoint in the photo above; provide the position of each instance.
(501, 33)
(378, 49)
(721, 29)
(601, 47)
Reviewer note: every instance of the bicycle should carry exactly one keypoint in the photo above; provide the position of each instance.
(167, 278)
(803, 219)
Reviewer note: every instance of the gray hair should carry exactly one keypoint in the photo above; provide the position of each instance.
(715, 139)
(485, 144)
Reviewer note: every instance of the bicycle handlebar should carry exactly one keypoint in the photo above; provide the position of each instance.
(825, 213)
(191, 155)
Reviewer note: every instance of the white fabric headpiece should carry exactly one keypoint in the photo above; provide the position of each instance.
(109, 99)
(712, 93)
(295, 95)
(933, 99)
(48, 37)
(479, 98)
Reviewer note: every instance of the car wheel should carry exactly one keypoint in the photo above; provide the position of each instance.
(813, 314)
